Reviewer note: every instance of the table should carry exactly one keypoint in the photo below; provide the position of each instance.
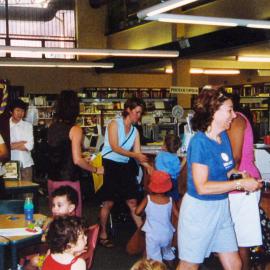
(16, 242)
(13, 187)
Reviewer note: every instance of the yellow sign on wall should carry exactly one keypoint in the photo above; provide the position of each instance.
(184, 90)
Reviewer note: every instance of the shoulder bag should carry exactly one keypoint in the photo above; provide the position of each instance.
(97, 162)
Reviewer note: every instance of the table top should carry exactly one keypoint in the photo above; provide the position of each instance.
(155, 149)
(261, 146)
(16, 221)
(18, 184)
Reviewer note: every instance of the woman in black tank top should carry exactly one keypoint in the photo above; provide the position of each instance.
(65, 140)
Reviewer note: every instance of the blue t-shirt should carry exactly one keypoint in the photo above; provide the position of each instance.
(169, 163)
(217, 157)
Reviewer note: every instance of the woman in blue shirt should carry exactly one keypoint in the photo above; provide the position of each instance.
(205, 223)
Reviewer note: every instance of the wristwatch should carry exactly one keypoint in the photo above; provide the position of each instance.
(238, 185)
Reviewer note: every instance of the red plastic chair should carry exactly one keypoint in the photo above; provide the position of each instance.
(92, 238)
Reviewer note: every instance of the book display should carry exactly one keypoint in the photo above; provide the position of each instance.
(99, 105)
(255, 98)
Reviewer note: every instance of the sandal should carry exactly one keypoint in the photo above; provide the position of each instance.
(107, 243)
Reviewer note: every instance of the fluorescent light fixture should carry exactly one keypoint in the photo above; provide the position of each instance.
(196, 71)
(163, 7)
(168, 70)
(263, 72)
(221, 72)
(55, 64)
(28, 3)
(91, 52)
(205, 20)
(174, 18)
(260, 59)
(258, 25)
(214, 71)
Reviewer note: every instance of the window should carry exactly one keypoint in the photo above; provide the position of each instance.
(38, 23)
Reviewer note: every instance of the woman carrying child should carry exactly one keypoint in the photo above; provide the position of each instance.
(66, 240)
(158, 208)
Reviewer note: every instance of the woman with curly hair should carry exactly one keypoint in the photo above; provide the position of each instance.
(205, 223)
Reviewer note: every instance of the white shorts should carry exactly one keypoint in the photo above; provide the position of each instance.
(246, 217)
(204, 227)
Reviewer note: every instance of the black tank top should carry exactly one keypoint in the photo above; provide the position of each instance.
(61, 166)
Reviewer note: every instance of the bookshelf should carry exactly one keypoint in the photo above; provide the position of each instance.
(256, 98)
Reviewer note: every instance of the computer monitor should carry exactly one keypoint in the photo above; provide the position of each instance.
(95, 141)
(161, 130)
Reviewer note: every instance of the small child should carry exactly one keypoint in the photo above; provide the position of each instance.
(158, 209)
(168, 161)
(145, 264)
(64, 202)
(66, 240)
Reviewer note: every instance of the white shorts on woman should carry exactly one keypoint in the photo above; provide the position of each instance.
(246, 218)
(204, 226)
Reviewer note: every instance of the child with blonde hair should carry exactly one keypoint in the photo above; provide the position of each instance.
(145, 264)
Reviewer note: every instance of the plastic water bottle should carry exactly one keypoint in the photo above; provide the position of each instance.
(28, 210)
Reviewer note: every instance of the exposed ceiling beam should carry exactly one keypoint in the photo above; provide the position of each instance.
(213, 44)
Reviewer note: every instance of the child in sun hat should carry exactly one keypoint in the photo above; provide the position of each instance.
(158, 209)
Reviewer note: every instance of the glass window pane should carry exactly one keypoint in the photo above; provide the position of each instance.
(2, 43)
(62, 25)
(59, 44)
(37, 23)
(26, 43)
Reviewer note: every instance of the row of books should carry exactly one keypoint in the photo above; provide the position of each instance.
(114, 92)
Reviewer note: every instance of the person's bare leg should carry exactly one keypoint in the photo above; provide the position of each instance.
(132, 204)
(244, 255)
(103, 216)
(230, 260)
(183, 265)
